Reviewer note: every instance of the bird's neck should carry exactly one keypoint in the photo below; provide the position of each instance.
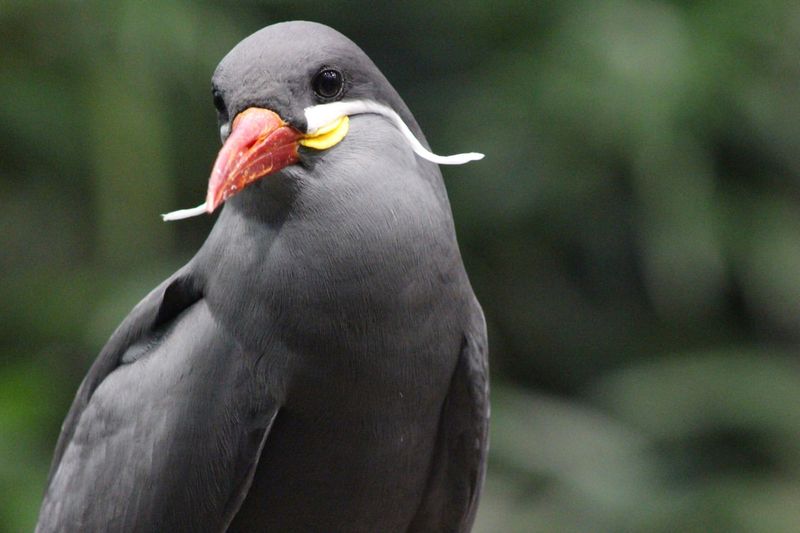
(311, 278)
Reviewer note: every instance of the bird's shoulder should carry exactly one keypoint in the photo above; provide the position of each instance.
(173, 403)
(154, 312)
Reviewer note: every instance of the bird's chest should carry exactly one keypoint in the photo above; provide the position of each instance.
(336, 339)
(356, 339)
(362, 391)
(356, 429)
(349, 329)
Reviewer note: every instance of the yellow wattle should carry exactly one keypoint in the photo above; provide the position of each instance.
(328, 135)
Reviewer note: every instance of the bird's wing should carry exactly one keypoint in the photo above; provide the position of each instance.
(167, 428)
(459, 462)
(157, 309)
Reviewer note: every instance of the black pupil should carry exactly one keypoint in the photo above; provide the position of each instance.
(328, 83)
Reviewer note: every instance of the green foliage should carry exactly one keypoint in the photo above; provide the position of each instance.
(633, 233)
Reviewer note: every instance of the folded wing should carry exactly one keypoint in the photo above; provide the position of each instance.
(167, 428)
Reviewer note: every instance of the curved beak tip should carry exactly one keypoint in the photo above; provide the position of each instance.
(260, 143)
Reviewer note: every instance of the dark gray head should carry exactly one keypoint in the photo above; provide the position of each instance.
(290, 66)
(302, 109)
(331, 196)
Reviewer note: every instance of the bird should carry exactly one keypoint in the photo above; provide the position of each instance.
(321, 362)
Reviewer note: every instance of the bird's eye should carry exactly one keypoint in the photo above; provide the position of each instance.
(219, 103)
(328, 83)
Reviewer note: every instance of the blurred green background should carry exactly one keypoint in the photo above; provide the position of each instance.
(633, 233)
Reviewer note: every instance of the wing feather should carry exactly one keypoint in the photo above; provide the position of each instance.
(166, 430)
(459, 463)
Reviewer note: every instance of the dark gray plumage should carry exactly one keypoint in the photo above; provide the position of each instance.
(319, 365)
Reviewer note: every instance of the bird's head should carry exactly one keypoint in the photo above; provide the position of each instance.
(285, 96)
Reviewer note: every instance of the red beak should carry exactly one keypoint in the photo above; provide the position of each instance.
(261, 143)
